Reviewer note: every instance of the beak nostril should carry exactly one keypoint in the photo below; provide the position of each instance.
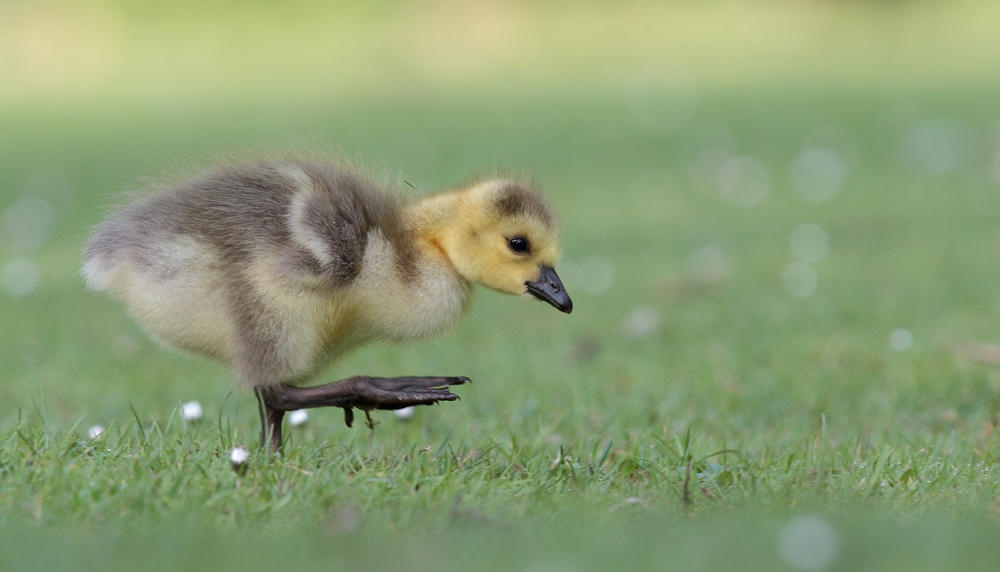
(550, 289)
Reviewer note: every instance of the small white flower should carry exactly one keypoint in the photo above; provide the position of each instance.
(239, 455)
(95, 431)
(238, 459)
(404, 413)
(298, 417)
(191, 411)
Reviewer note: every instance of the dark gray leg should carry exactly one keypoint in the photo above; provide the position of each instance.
(365, 393)
(270, 423)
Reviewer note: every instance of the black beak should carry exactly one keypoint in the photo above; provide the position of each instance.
(549, 288)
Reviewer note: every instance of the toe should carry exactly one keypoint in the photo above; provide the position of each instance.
(414, 384)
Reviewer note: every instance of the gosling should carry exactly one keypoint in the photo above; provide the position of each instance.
(278, 267)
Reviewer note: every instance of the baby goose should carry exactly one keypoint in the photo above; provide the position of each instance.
(277, 267)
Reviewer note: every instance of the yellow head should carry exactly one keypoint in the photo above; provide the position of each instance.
(501, 234)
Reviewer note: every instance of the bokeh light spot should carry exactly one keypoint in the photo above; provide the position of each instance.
(593, 275)
(818, 174)
(661, 97)
(20, 277)
(641, 322)
(743, 181)
(708, 265)
(809, 242)
(124, 348)
(901, 339)
(28, 221)
(939, 146)
(799, 279)
(808, 543)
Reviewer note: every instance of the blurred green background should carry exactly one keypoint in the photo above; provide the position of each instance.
(780, 222)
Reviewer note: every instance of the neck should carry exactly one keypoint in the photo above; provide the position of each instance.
(430, 220)
(434, 297)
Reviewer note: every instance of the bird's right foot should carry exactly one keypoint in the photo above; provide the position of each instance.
(398, 392)
(364, 393)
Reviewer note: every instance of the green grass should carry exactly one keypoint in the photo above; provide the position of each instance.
(578, 446)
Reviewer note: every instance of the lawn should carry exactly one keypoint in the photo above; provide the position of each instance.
(780, 225)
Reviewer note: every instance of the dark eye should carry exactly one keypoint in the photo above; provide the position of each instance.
(518, 244)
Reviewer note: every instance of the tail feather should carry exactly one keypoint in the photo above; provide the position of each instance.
(102, 254)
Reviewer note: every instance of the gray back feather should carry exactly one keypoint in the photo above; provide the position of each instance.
(241, 210)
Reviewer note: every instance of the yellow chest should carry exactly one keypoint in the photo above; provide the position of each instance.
(391, 306)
